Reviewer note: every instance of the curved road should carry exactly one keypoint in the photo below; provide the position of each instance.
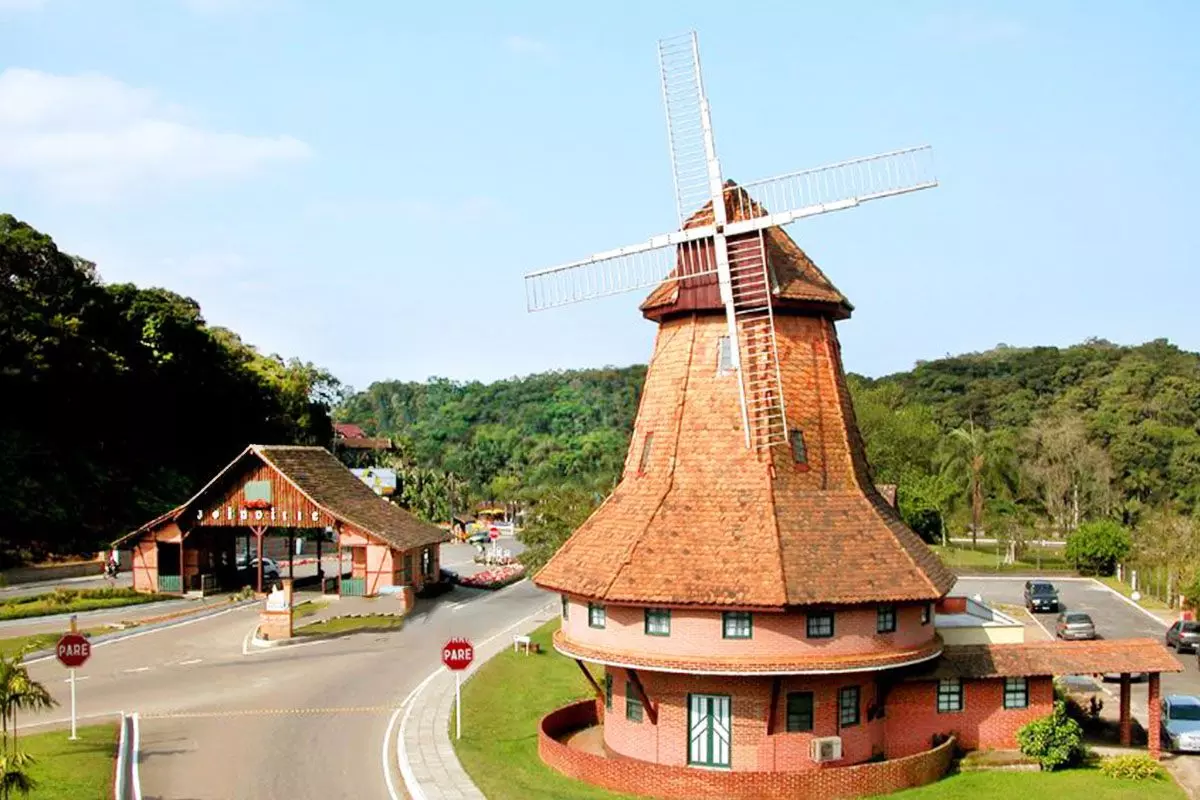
(220, 720)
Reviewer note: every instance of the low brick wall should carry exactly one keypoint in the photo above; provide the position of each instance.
(631, 776)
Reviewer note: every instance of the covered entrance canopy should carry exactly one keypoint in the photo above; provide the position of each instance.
(193, 546)
(1115, 657)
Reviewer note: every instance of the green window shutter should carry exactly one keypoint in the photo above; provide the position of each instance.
(257, 491)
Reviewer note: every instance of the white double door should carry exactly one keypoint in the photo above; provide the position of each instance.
(708, 730)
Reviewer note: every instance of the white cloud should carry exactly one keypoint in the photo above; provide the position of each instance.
(91, 137)
(967, 27)
(526, 45)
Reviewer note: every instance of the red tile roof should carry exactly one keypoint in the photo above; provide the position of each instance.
(348, 430)
(795, 277)
(1053, 658)
(643, 659)
(710, 522)
(329, 485)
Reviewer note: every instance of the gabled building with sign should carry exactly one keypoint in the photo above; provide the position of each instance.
(283, 490)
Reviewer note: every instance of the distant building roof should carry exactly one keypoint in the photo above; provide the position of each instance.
(348, 430)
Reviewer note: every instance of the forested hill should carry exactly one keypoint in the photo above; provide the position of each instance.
(120, 401)
(1065, 434)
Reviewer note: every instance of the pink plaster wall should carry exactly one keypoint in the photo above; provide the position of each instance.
(699, 633)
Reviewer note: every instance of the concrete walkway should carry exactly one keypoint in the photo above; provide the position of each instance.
(430, 768)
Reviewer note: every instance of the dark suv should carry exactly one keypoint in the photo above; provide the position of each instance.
(1041, 596)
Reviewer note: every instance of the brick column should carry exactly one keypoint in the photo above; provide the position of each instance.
(1154, 714)
(1126, 719)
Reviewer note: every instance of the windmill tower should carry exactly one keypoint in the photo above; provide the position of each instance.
(727, 238)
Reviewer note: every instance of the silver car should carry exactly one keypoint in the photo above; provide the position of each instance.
(1184, 635)
(1181, 723)
(1074, 625)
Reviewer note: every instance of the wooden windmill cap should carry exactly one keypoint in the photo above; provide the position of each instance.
(797, 283)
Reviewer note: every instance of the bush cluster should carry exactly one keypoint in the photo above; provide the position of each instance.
(1131, 767)
(1056, 741)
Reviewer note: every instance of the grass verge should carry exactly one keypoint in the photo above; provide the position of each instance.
(1089, 783)
(66, 770)
(38, 641)
(502, 704)
(985, 558)
(364, 624)
(308, 608)
(69, 601)
(1147, 602)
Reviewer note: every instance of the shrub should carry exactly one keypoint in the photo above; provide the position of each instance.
(1096, 546)
(1131, 767)
(1055, 741)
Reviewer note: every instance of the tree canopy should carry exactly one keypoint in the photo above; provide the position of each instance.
(120, 400)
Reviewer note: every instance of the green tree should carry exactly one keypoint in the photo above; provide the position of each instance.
(982, 464)
(1056, 741)
(1095, 547)
(554, 516)
(18, 692)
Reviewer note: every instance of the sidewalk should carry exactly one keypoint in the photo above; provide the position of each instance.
(430, 768)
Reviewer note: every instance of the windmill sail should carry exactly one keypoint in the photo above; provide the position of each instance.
(683, 98)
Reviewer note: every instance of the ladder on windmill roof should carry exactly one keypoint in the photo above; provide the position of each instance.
(761, 384)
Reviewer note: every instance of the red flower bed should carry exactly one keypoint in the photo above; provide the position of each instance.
(494, 578)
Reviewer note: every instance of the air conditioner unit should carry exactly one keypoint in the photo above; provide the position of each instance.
(826, 748)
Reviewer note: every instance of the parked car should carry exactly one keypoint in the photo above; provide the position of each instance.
(1184, 635)
(1115, 677)
(1181, 723)
(1041, 596)
(479, 537)
(1074, 625)
(270, 570)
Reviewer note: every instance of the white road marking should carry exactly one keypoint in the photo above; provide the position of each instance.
(147, 633)
(137, 669)
(387, 768)
(192, 661)
(1147, 612)
(406, 771)
(247, 638)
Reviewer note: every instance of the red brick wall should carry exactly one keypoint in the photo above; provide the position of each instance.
(750, 700)
(639, 777)
(984, 723)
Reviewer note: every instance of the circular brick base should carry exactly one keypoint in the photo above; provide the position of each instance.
(631, 776)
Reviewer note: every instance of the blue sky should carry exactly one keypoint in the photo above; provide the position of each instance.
(363, 184)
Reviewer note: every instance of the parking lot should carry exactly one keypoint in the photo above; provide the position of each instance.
(1114, 617)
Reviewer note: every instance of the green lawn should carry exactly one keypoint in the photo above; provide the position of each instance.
(308, 608)
(70, 601)
(66, 770)
(502, 704)
(985, 557)
(370, 622)
(1089, 783)
(1152, 603)
(40, 640)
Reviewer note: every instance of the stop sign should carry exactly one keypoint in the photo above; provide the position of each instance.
(493, 533)
(458, 654)
(73, 649)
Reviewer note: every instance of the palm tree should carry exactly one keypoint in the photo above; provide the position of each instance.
(18, 692)
(979, 461)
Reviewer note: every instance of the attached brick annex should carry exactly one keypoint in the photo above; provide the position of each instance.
(765, 615)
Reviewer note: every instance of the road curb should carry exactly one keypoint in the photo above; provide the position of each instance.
(138, 630)
(419, 772)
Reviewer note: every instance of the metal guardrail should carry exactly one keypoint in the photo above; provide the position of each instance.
(127, 784)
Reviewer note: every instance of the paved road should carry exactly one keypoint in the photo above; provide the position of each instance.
(305, 720)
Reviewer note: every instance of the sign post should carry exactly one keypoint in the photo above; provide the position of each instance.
(72, 651)
(457, 655)
(493, 536)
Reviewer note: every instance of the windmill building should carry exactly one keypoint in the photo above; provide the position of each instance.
(758, 619)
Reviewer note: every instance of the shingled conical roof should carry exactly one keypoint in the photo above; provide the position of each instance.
(699, 519)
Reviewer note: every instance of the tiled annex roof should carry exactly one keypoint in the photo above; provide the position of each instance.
(1052, 658)
(742, 665)
(794, 274)
(709, 522)
(330, 485)
(349, 430)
